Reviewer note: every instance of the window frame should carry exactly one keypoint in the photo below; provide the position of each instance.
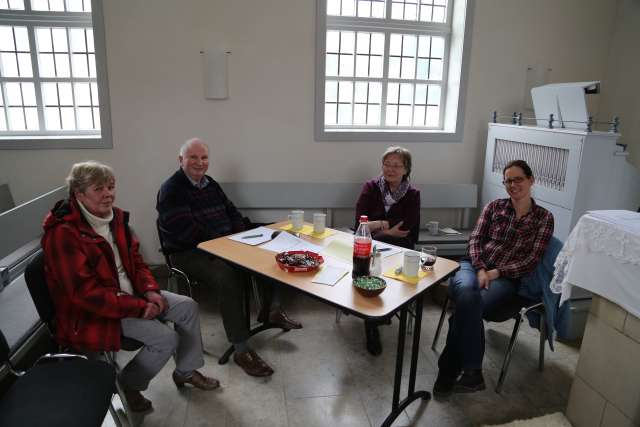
(64, 139)
(459, 14)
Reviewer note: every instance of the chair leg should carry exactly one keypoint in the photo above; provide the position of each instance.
(543, 340)
(412, 306)
(445, 305)
(507, 356)
(256, 295)
(338, 315)
(111, 357)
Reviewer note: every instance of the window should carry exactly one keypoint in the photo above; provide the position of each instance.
(390, 70)
(53, 86)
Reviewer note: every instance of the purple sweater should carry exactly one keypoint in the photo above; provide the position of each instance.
(406, 209)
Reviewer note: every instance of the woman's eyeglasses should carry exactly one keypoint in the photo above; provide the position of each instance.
(516, 180)
(392, 165)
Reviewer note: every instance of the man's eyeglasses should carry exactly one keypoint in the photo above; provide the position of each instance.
(516, 180)
(392, 165)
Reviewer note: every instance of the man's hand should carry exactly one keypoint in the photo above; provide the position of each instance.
(485, 277)
(396, 232)
(151, 311)
(157, 299)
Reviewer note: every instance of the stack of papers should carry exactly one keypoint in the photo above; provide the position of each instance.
(289, 242)
(329, 275)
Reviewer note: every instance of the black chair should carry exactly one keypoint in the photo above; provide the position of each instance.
(527, 306)
(37, 284)
(62, 390)
(174, 272)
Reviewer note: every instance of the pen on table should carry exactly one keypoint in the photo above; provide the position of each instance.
(253, 236)
(384, 249)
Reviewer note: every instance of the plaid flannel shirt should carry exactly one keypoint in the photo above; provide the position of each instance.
(513, 246)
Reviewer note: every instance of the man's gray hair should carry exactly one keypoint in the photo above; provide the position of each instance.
(85, 174)
(189, 142)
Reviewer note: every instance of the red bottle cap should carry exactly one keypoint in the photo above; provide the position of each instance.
(364, 218)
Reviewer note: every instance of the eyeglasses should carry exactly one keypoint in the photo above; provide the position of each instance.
(393, 165)
(516, 180)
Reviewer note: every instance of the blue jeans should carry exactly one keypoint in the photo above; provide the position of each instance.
(465, 341)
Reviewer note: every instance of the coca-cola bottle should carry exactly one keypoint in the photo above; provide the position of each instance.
(361, 249)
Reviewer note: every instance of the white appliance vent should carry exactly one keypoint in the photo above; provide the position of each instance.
(549, 164)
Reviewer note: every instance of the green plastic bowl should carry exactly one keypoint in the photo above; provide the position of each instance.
(369, 286)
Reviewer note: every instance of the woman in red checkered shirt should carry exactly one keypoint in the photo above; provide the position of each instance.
(506, 244)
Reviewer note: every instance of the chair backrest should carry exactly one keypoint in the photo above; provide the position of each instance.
(167, 258)
(37, 284)
(4, 349)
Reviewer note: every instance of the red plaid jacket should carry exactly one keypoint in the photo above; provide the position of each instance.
(513, 246)
(83, 281)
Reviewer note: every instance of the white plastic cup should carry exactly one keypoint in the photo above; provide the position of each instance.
(319, 222)
(297, 219)
(433, 227)
(411, 263)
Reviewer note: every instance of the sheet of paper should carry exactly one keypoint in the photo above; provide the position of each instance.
(330, 275)
(407, 279)
(386, 249)
(340, 249)
(253, 237)
(289, 242)
(449, 230)
(307, 229)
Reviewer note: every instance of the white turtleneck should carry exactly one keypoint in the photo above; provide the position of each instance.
(101, 227)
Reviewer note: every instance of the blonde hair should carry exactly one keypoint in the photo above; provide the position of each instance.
(404, 154)
(84, 174)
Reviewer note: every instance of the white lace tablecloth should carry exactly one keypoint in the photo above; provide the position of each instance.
(602, 255)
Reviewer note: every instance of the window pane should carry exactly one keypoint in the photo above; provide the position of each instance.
(375, 93)
(43, 39)
(422, 70)
(9, 65)
(395, 44)
(29, 94)
(345, 92)
(408, 68)
(31, 115)
(437, 47)
(14, 94)
(362, 66)
(392, 115)
(408, 45)
(80, 68)
(363, 42)
(75, 6)
(376, 66)
(347, 42)
(348, 8)
(13, 4)
(359, 114)
(439, 14)
(333, 7)
(89, 34)
(24, 65)
(344, 114)
(406, 93)
(22, 39)
(434, 95)
(421, 94)
(346, 65)
(6, 38)
(392, 93)
(397, 11)
(410, 12)
(330, 113)
(362, 90)
(364, 8)
(373, 118)
(435, 70)
(432, 116)
(404, 115)
(424, 46)
(394, 67)
(85, 118)
(59, 36)
(62, 65)
(95, 99)
(333, 41)
(64, 90)
(332, 65)
(45, 62)
(418, 115)
(52, 118)
(56, 5)
(39, 5)
(68, 118)
(96, 118)
(16, 118)
(83, 94)
(49, 94)
(77, 40)
(92, 65)
(331, 91)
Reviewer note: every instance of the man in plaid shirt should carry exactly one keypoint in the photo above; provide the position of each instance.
(507, 243)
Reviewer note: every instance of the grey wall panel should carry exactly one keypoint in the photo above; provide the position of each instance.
(23, 223)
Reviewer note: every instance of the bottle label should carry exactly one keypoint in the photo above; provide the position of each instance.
(362, 249)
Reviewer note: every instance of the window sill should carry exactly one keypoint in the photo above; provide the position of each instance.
(41, 142)
(433, 136)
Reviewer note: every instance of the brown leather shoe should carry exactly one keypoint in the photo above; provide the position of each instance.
(197, 380)
(137, 402)
(281, 320)
(252, 364)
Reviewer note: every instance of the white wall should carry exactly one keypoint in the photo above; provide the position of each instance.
(264, 131)
(621, 86)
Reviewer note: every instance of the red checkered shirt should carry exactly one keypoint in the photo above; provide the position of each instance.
(513, 246)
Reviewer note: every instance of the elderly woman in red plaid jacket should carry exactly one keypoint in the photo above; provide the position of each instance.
(507, 243)
(102, 288)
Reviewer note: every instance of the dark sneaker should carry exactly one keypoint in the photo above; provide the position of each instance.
(470, 382)
(443, 386)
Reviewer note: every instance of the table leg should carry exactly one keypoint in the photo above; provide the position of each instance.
(398, 406)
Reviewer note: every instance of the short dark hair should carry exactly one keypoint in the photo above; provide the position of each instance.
(520, 164)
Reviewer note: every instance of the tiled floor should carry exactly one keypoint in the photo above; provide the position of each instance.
(324, 377)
